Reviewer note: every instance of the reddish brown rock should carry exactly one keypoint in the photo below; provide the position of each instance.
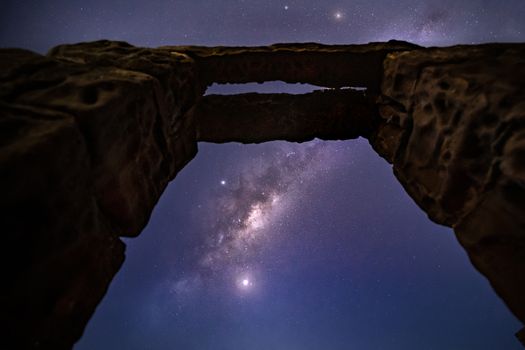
(252, 118)
(331, 66)
(453, 125)
(90, 138)
(91, 134)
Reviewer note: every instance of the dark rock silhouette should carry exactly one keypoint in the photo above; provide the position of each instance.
(92, 133)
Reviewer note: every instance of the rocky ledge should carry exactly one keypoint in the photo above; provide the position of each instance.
(92, 133)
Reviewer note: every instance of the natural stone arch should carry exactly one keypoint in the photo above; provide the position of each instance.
(107, 125)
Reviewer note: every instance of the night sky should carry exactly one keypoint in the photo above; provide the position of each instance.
(280, 245)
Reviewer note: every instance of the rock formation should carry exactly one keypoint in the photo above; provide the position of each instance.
(88, 144)
(92, 133)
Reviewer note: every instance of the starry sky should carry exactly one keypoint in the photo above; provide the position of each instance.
(283, 245)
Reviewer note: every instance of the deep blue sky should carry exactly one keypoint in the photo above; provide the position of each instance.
(329, 252)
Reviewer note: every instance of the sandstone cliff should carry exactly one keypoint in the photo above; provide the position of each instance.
(92, 133)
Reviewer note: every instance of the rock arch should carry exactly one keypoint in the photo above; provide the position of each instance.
(92, 133)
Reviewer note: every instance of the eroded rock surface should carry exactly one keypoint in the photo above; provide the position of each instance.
(253, 118)
(92, 133)
(453, 125)
(89, 140)
(331, 66)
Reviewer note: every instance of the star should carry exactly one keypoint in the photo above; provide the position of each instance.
(245, 283)
(338, 15)
(248, 214)
(286, 7)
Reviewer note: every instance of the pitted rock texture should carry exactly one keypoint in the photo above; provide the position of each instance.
(331, 66)
(454, 129)
(90, 137)
(91, 134)
(251, 118)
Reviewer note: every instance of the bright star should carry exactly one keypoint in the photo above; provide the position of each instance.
(286, 7)
(245, 283)
(223, 182)
(338, 15)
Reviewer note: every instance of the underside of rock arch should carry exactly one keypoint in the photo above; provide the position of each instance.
(92, 133)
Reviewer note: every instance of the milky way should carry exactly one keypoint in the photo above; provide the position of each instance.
(267, 260)
(246, 214)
